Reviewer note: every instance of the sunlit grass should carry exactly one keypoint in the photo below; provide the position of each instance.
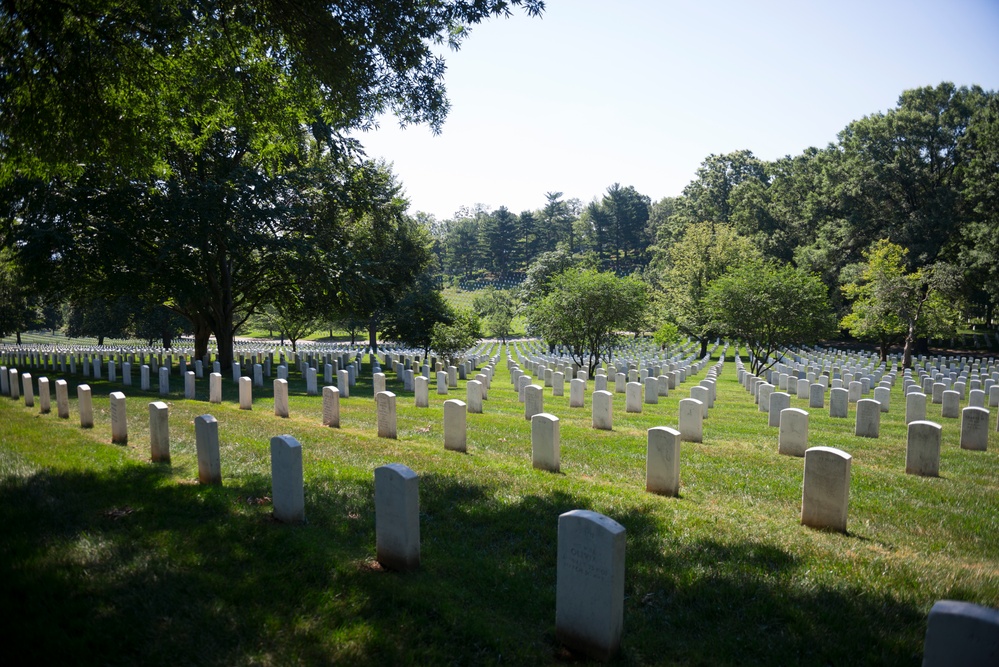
(108, 558)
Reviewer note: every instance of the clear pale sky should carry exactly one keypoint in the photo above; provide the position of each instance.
(639, 93)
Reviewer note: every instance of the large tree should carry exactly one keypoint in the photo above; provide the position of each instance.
(900, 173)
(980, 190)
(192, 139)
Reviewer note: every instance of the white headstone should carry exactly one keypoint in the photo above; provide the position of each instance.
(422, 391)
(589, 590)
(119, 422)
(922, 450)
(603, 403)
(779, 401)
(868, 418)
(961, 633)
(159, 432)
(245, 393)
(62, 399)
(816, 395)
(915, 407)
(164, 381)
(662, 461)
(280, 398)
(28, 390)
(331, 407)
(288, 497)
(397, 517)
(85, 404)
(385, 406)
(792, 439)
(838, 402)
(633, 397)
(206, 435)
(343, 383)
(951, 404)
(825, 492)
(312, 382)
(545, 442)
(44, 396)
(455, 429)
(975, 429)
(534, 400)
(577, 393)
(691, 419)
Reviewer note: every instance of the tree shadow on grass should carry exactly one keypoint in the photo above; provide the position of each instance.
(128, 567)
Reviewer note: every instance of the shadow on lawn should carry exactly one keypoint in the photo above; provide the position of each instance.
(129, 567)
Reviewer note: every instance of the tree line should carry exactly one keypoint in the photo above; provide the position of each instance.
(899, 215)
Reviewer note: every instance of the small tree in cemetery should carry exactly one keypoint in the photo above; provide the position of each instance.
(770, 307)
(666, 337)
(680, 274)
(891, 304)
(450, 339)
(497, 307)
(583, 311)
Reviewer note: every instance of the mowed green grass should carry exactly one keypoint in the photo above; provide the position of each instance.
(106, 558)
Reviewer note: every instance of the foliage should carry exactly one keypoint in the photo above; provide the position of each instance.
(898, 173)
(22, 308)
(293, 317)
(666, 336)
(387, 251)
(680, 275)
(123, 84)
(541, 273)
(618, 227)
(450, 339)
(769, 307)
(980, 191)
(411, 321)
(891, 304)
(498, 308)
(584, 309)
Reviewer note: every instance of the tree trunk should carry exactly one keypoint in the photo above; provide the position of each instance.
(100, 340)
(224, 337)
(910, 340)
(167, 340)
(202, 333)
(704, 347)
(373, 335)
(883, 350)
(18, 337)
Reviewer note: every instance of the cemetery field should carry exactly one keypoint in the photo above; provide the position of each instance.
(106, 558)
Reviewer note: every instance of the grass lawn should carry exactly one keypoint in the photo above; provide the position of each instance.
(106, 558)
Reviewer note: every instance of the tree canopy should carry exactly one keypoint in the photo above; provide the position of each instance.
(892, 304)
(583, 311)
(769, 307)
(122, 84)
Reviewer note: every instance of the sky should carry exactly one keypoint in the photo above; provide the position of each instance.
(641, 92)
